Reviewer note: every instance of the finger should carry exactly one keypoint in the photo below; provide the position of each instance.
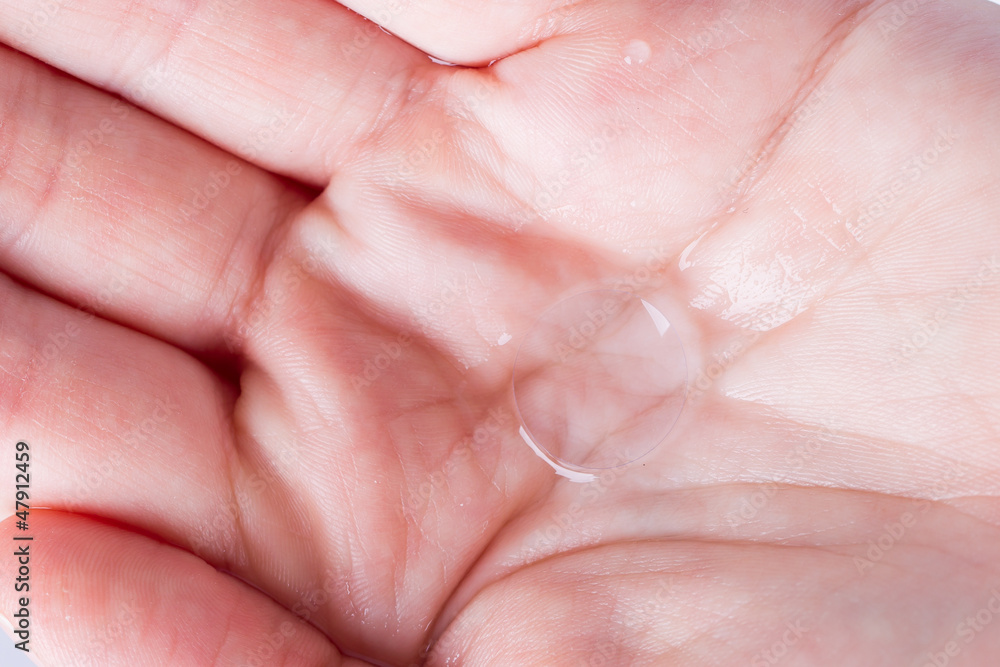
(119, 213)
(468, 33)
(119, 425)
(128, 428)
(292, 89)
(101, 595)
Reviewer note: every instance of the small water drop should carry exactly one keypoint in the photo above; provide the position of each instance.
(636, 52)
(683, 264)
(599, 381)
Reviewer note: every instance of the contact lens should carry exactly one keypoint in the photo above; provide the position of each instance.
(599, 381)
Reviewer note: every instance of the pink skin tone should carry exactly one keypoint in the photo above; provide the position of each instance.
(259, 325)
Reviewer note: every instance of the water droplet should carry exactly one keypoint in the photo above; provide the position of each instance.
(599, 381)
(683, 264)
(636, 52)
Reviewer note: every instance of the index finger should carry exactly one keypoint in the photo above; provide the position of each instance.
(293, 89)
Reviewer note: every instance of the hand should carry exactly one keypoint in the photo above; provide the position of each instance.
(259, 329)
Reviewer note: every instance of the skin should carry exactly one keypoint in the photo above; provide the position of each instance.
(194, 286)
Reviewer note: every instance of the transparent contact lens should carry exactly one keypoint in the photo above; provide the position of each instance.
(599, 382)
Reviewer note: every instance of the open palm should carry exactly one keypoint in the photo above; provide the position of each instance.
(259, 331)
